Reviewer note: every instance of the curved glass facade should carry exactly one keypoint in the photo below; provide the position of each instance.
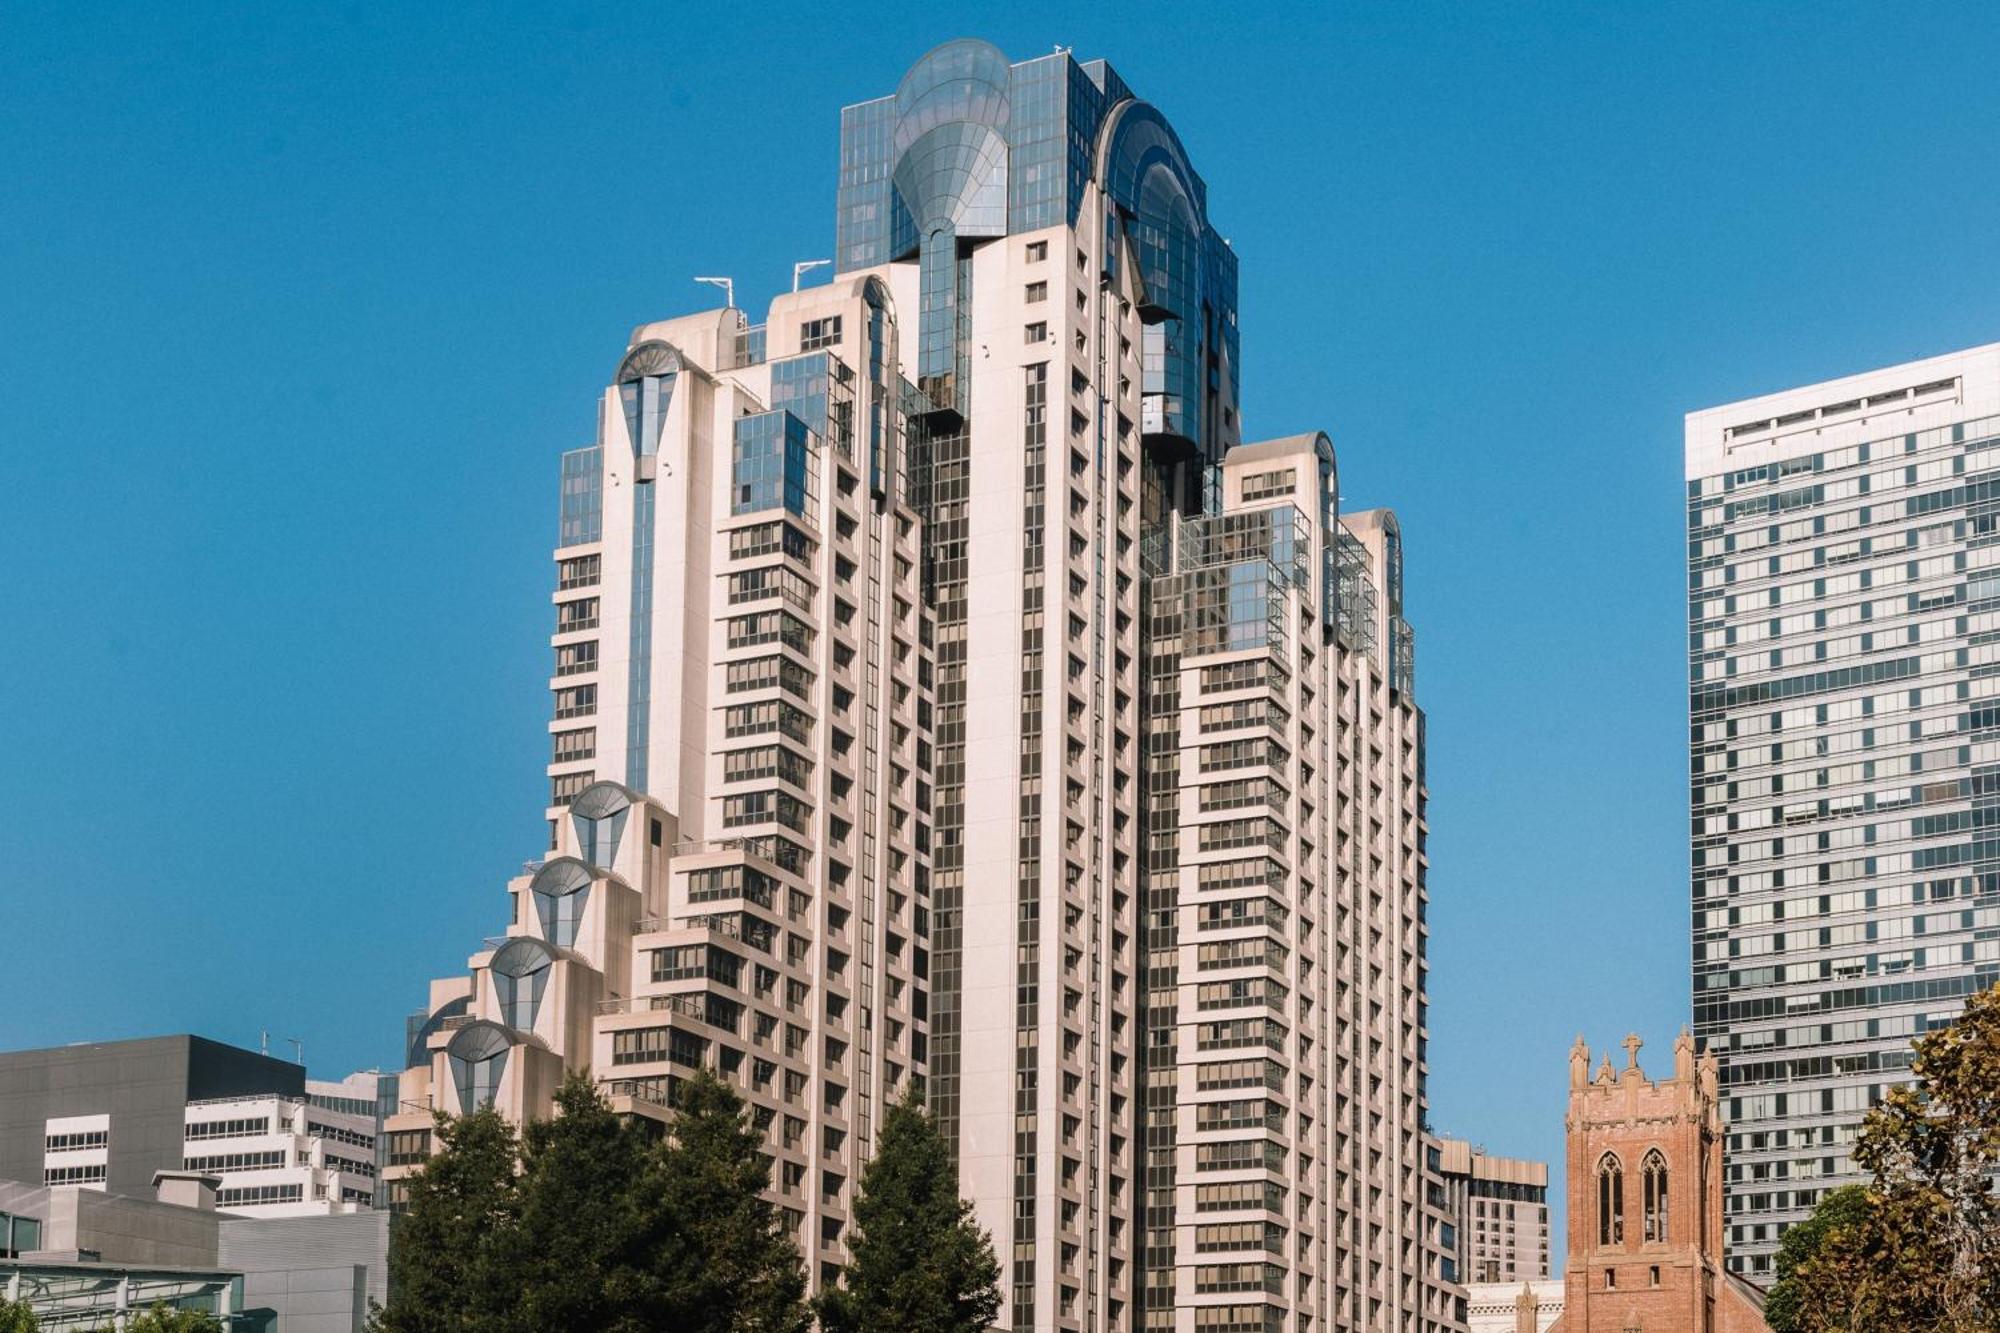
(972, 148)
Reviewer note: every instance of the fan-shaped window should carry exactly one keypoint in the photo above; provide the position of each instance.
(478, 1060)
(1654, 1172)
(520, 975)
(562, 890)
(1610, 1201)
(598, 815)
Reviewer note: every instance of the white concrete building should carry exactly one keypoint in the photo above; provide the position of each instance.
(884, 636)
(279, 1156)
(1844, 663)
(1513, 1307)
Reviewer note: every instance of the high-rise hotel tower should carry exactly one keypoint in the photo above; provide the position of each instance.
(1844, 701)
(942, 691)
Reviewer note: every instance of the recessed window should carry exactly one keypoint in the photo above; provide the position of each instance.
(566, 787)
(817, 333)
(1037, 291)
(1610, 1279)
(1655, 1274)
(1037, 251)
(1038, 332)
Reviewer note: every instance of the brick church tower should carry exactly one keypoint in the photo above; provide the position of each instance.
(1645, 1202)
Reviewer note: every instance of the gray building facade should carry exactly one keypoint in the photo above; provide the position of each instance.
(142, 1087)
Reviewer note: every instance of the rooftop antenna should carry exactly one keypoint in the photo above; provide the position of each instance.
(298, 1050)
(728, 286)
(264, 1042)
(800, 269)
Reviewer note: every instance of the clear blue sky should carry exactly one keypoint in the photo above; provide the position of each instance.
(298, 306)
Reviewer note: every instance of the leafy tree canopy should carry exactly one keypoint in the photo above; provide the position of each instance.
(1922, 1248)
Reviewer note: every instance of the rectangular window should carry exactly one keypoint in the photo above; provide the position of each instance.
(1264, 485)
(773, 715)
(582, 496)
(649, 1045)
(234, 1161)
(817, 333)
(578, 571)
(577, 615)
(771, 627)
(771, 464)
(1038, 251)
(1038, 332)
(574, 745)
(576, 701)
(763, 673)
(90, 1138)
(252, 1196)
(1037, 291)
(769, 539)
(74, 1175)
(574, 659)
(228, 1129)
(565, 787)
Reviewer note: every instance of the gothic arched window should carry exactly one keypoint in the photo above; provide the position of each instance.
(1610, 1201)
(1654, 1170)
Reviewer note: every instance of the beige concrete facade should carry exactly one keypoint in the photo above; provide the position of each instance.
(943, 692)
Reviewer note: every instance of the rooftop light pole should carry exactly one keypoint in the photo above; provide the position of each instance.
(728, 286)
(800, 269)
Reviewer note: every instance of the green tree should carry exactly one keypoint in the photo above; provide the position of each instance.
(1846, 1207)
(577, 1250)
(920, 1264)
(17, 1317)
(1926, 1251)
(721, 1262)
(448, 1254)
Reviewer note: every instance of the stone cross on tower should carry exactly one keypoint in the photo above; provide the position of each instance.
(1632, 1045)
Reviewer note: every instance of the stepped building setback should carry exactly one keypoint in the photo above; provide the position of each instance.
(943, 691)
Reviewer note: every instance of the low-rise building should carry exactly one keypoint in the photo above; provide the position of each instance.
(283, 1156)
(1513, 1307)
(83, 1258)
(107, 1116)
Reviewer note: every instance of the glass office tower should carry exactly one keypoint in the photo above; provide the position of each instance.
(1844, 730)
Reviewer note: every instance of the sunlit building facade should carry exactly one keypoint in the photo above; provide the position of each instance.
(1844, 666)
(883, 746)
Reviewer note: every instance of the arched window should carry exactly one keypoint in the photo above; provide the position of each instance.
(520, 973)
(561, 890)
(1654, 1171)
(478, 1054)
(1610, 1201)
(598, 815)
